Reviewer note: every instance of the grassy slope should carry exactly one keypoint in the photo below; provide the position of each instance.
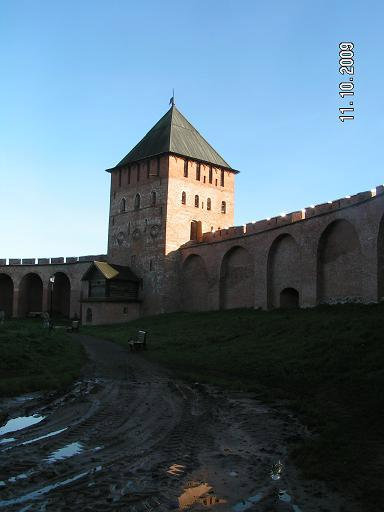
(31, 358)
(328, 362)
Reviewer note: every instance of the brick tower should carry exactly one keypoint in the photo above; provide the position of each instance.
(170, 188)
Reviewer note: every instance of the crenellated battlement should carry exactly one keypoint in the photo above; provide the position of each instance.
(289, 218)
(51, 261)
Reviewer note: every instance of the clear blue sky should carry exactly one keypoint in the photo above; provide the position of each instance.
(83, 81)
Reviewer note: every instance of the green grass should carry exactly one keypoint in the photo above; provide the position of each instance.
(32, 358)
(328, 362)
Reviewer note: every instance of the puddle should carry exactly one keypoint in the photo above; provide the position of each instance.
(40, 492)
(20, 423)
(67, 451)
(247, 503)
(43, 437)
(21, 476)
(284, 496)
(201, 494)
(45, 490)
(7, 440)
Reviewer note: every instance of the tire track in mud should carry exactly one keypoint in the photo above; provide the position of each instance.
(145, 442)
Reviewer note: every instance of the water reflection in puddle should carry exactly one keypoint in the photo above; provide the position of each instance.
(44, 437)
(246, 504)
(175, 469)
(198, 493)
(19, 423)
(276, 470)
(7, 440)
(44, 490)
(67, 451)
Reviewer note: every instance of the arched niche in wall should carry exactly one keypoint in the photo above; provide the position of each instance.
(30, 294)
(284, 269)
(6, 294)
(61, 295)
(339, 264)
(380, 261)
(195, 288)
(289, 298)
(237, 279)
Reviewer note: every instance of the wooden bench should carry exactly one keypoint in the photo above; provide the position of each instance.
(139, 343)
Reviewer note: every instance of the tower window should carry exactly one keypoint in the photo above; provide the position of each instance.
(123, 205)
(210, 174)
(153, 198)
(216, 183)
(129, 175)
(137, 201)
(183, 198)
(158, 166)
(148, 167)
(222, 178)
(204, 179)
(223, 207)
(198, 172)
(197, 201)
(119, 177)
(185, 168)
(208, 203)
(138, 172)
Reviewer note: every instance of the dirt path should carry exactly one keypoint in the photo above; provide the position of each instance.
(129, 437)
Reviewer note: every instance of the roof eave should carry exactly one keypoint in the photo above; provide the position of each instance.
(226, 167)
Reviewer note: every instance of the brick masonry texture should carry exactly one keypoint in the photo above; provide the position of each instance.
(328, 253)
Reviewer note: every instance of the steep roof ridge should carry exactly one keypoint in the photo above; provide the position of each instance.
(192, 128)
(173, 133)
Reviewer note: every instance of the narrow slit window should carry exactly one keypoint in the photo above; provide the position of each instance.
(183, 198)
(185, 168)
(123, 205)
(208, 203)
(223, 207)
(198, 171)
(222, 178)
(137, 201)
(148, 167)
(197, 201)
(153, 198)
(210, 174)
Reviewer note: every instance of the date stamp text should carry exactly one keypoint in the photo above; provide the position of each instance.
(346, 88)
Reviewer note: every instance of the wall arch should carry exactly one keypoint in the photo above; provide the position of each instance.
(195, 288)
(6, 294)
(30, 294)
(61, 295)
(237, 279)
(283, 269)
(380, 260)
(289, 298)
(339, 264)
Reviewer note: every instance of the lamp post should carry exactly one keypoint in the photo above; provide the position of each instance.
(51, 283)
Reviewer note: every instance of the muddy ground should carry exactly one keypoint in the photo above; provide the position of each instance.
(130, 437)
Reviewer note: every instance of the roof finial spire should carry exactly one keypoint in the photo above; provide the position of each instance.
(172, 100)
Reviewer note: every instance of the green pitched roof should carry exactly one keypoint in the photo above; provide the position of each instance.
(174, 134)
